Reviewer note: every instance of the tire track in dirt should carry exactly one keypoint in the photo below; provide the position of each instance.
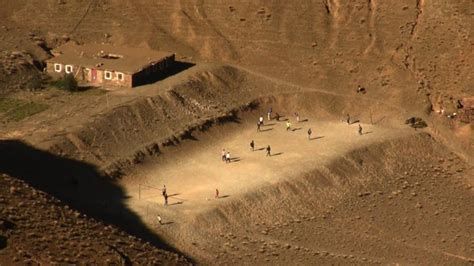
(144, 10)
(89, 6)
(419, 10)
(201, 11)
(332, 8)
(310, 89)
(371, 5)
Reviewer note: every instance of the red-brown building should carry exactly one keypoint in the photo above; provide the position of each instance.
(108, 65)
(467, 112)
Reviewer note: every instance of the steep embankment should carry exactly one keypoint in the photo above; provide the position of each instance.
(412, 54)
(125, 134)
(47, 231)
(403, 200)
(332, 43)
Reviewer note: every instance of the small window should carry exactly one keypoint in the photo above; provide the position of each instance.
(119, 76)
(68, 69)
(108, 75)
(58, 67)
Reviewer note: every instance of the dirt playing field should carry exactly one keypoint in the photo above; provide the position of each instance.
(193, 171)
(196, 170)
(82, 173)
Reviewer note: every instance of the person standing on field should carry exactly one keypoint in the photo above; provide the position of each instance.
(348, 119)
(258, 126)
(166, 199)
(159, 219)
(261, 120)
(223, 155)
(288, 125)
(277, 116)
(227, 157)
(269, 149)
(309, 133)
(252, 145)
(360, 130)
(217, 193)
(269, 114)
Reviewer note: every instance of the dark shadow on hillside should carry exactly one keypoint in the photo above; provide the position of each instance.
(177, 67)
(77, 184)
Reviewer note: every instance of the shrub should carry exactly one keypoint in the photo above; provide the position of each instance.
(67, 82)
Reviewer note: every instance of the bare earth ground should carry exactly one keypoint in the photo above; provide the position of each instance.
(48, 231)
(393, 196)
(196, 170)
(357, 228)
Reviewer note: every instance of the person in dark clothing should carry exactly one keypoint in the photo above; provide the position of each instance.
(309, 133)
(163, 191)
(268, 151)
(360, 130)
(348, 120)
(252, 145)
(277, 116)
(361, 89)
(258, 126)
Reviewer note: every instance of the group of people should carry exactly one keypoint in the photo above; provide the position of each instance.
(348, 120)
(268, 148)
(225, 156)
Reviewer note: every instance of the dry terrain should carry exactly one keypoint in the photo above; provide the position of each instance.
(81, 173)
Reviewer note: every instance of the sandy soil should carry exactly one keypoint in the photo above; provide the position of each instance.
(317, 233)
(196, 170)
(393, 196)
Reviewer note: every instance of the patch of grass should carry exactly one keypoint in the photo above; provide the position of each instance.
(8, 103)
(67, 82)
(17, 110)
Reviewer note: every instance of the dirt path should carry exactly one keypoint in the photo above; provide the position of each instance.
(192, 174)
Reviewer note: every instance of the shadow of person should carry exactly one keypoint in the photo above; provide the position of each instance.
(78, 184)
(318, 137)
(276, 154)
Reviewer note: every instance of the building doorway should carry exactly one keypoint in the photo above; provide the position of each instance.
(93, 75)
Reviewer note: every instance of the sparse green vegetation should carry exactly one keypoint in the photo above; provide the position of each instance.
(17, 110)
(67, 82)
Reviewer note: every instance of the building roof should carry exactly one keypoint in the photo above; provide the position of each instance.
(107, 57)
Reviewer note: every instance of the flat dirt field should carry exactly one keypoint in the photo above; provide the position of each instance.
(303, 204)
